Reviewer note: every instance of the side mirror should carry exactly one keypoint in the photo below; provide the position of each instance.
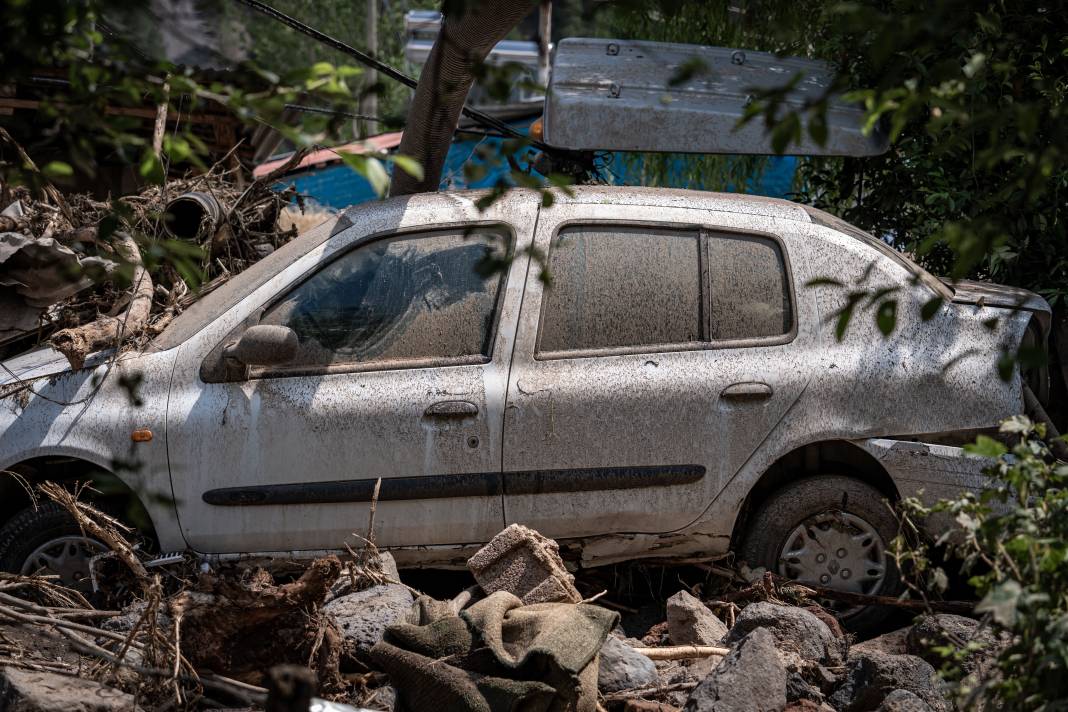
(264, 345)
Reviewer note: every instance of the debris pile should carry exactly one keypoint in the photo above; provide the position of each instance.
(86, 275)
(522, 639)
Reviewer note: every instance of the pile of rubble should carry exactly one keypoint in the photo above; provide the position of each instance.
(84, 275)
(523, 638)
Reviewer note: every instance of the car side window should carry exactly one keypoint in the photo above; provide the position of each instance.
(408, 300)
(615, 286)
(749, 288)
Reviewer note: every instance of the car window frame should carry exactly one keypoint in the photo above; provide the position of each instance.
(704, 231)
(281, 371)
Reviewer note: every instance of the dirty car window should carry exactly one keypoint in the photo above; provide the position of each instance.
(749, 288)
(622, 286)
(401, 299)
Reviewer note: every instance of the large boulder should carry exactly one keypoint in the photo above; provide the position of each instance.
(33, 691)
(621, 667)
(363, 617)
(870, 677)
(795, 630)
(750, 679)
(691, 623)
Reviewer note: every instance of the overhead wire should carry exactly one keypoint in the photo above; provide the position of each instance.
(385, 69)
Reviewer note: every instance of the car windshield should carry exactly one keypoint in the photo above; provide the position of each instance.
(923, 276)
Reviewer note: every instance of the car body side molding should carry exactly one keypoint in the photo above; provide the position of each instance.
(482, 484)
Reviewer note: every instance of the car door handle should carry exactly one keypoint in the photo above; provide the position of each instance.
(451, 409)
(750, 390)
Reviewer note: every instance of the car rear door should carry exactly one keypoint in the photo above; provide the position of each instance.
(651, 367)
(400, 377)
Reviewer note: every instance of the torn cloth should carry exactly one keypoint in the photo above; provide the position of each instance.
(498, 656)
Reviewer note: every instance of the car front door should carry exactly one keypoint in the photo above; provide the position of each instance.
(399, 377)
(651, 367)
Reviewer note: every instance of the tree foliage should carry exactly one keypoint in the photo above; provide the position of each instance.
(1013, 542)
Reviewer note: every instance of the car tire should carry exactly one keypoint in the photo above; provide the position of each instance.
(847, 508)
(39, 532)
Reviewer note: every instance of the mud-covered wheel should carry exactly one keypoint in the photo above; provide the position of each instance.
(830, 531)
(46, 539)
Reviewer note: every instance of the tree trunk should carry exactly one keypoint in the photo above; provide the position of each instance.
(469, 30)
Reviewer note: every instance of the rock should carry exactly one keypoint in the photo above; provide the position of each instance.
(750, 679)
(797, 688)
(691, 623)
(892, 643)
(870, 677)
(944, 629)
(523, 562)
(903, 701)
(363, 617)
(623, 668)
(796, 631)
(648, 706)
(32, 691)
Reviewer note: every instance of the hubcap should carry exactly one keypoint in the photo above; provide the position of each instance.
(837, 550)
(66, 556)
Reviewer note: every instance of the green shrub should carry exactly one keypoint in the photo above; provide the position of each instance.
(1013, 542)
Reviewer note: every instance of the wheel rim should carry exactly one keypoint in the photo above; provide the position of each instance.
(68, 557)
(837, 550)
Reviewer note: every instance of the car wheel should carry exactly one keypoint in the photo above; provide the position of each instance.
(46, 539)
(828, 531)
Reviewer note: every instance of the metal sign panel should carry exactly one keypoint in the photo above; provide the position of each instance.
(617, 95)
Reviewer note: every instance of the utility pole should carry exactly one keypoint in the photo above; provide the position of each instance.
(369, 102)
(545, 32)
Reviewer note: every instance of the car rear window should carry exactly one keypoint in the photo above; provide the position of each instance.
(750, 291)
(622, 286)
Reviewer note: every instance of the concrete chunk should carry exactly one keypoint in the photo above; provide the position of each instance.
(33, 691)
(525, 563)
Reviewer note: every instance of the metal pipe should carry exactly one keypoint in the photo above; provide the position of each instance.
(192, 215)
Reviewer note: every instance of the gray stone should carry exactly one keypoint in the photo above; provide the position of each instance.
(691, 623)
(621, 667)
(944, 629)
(903, 701)
(871, 676)
(750, 679)
(797, 688)
(32, 691)
(892, 643)
(363, 617)
(795, 629)
(525, 563)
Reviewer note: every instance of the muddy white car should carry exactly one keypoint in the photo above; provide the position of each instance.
(676, 389)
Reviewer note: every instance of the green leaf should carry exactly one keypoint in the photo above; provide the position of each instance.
(58, 169)
(409, 165)
(930, 308)
(986, 446)
(886, 316)
(1001, 603)
(151, 168)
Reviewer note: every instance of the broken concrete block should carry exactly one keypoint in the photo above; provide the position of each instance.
(363, 617)
(691, 623)
(523, 562)
(32, 691)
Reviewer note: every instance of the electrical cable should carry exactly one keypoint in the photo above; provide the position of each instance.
(385, 69)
